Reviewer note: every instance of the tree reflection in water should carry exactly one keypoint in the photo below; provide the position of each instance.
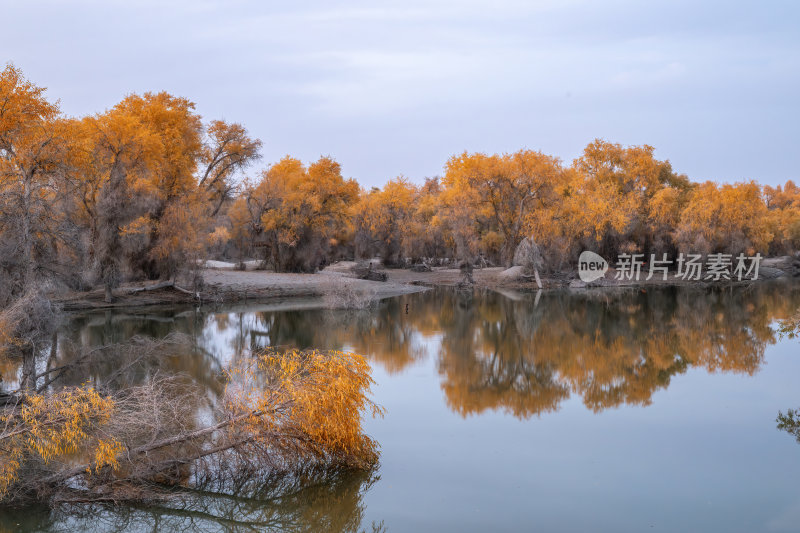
(505, 351)
(790, 421)
(610, 348)
(330, 501)
(494, 351)
(508, 352)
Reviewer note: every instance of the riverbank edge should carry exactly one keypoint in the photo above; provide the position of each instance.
(231, 286)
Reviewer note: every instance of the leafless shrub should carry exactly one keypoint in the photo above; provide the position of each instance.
(340, 293)
(123, 358)
(27, 321)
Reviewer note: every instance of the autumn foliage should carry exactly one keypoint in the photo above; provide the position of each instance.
(132, 192)
(280, 412)
(612, 199)
(297, 216)
(148, 190)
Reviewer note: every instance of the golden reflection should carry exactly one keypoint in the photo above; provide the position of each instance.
(493, 351)
(609, 348)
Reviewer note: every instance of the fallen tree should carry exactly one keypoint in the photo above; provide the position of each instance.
(162, 285)
(280, 412)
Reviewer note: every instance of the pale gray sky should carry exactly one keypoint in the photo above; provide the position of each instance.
(391, 88)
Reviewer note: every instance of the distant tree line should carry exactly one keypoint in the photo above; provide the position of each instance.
(148, 190)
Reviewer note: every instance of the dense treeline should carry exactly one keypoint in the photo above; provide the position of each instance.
(146, 190)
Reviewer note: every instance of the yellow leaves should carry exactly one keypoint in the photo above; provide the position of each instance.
(613, 195)
(292, 410)
(140, 226)
(314, 199)
(729, 217)
(31, 150)
(293, 206)
(7, 339)
(181, 226)
(107, 454)
(22, 105)
(175, 130)
(316, 396)
(386, 216)
(228, 149)
(492, 242)
(666, 207)
(219, 236)
(54, 427)
(155, 136)
(499, 195)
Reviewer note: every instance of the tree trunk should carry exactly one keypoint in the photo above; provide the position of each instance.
(27, 235)
(28, 381)
(109, 245)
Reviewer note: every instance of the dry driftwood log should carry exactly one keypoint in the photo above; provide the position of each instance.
(365, 271)
(163, 285)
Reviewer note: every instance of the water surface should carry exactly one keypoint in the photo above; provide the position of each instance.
(621, 410)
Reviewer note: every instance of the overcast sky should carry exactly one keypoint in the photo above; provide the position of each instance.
(390, 88)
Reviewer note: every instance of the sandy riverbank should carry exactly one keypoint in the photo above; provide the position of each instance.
(227, 285)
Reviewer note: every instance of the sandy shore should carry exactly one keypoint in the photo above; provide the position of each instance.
(259, 284)
(223, 284)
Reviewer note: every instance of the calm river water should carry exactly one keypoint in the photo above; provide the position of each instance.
(594, 411)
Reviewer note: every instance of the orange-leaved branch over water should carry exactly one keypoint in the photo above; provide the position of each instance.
(282, 412)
